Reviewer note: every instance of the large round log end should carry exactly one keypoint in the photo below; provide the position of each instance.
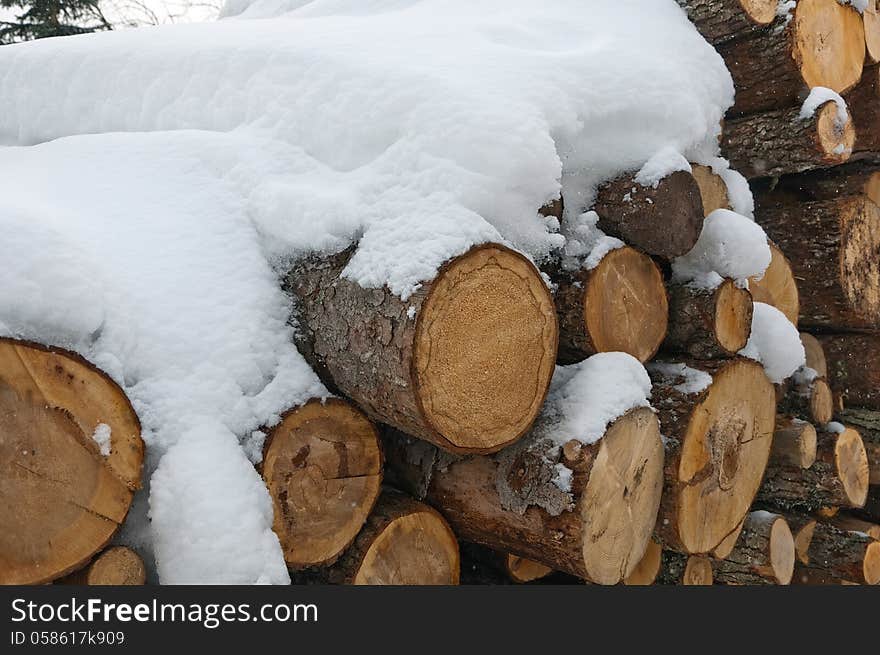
(829, 44)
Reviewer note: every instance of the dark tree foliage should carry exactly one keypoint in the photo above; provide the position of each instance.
(38, 19)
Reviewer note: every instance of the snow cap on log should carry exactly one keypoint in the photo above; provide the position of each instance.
(774, 342)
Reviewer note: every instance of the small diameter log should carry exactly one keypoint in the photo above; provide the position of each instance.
(648, 568)
(585, 509)
(619, 305)
(664, 221)
(867, 422)
(871, 19)
(838, 478)
(322, 465)
(780, 142)
(815, 355)
(464, 363)
(864, 105)
(723, 20)
(853, 524)
(404, 542)
(858, 177)
(807, 398)
(821, 44)
(708, 323)
(522, 570)
(718, 440)
(713, 189)
(831, 246)
(836, 556)
(62, 494)
(853, 367)
(777, 287)
(118, 565)
(685, 570)
(794, 443)
(764, 553)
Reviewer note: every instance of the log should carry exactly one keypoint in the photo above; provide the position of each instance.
(831, 247)
(62, 495)
(852, 367)
(867, 422)
(863, 104)
(871, 19)
(822, 44)
(815, 354)
(523, 570)
(403, 542)
(802, 528)
(717, 444)
(724, 20)
(838, 478)
(725, 548)
(598, 528)
(322, 465)
(618, 306)
(764, 553)
(646, 571)
(853, 524)
(780, 142)
(686, 570)
(464, 362)
(794, 443)
(116, 566)
(836, 556)
(664, 221)
(708, 323)
(713, 189)
(807, 398)
(777, 287)
(858, 177)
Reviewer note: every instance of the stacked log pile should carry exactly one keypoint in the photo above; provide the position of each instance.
(438, 430)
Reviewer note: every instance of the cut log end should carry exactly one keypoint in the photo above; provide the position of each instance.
(815, 354)
(860, 268)
(762, 12)
(485, 348)
(619, 504)
(778, 286)
(851, 462)
(116, 566)
(697, 572)
(723, 455)
(821, 401)
(625, 305)
(836, 140)
(66, 494)
(323, 468)
(523, 570)
(713, 189)
(782, 551)
(871, 564)
(871, 18)
(733, 317)
(829, 44)
(645, 572)
(794, 443)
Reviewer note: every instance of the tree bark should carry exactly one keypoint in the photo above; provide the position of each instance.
(794, 443)
(403, 542)
(807, 399)
(838, 478)
(821, 44)
(831, 246)
(778, 286)
(685, 570)
(858, 177)
(708, 323)
(585, 509)
(852, 367)
(618, 306)
(717, 444)
(867, 422)
(664, 221)
(65, 495)
(322, 465)
(724, 20)
(764, 553)
(780, 142)
(836, 556)
(464, 362)
(116, 566)
(863, 103)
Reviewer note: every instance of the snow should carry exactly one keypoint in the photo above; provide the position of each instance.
(774, 342)
(585, 398)
(835, 427)
(819, 96)
(586, 244)
(664, 162)
(804, 376)
(860, 6)
(102, 438)
(730, 246)
(170, 173)
(682, 377)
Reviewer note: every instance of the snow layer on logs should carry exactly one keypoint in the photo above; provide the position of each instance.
(775, 343)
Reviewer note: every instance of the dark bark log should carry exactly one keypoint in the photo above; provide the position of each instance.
(864, 104)
(708, 323)
(867, 422)
(806, 398)
(854, 367)
(794, 443)
(858, 177)
(764, 553)
(836, 556)
(724, 20)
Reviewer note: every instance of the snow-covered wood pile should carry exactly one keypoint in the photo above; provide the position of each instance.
(416, 292)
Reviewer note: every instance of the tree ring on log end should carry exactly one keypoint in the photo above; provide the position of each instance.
(620, 502)
(871, 563)
(323, 467)
(485, 348)
(117, 566)
(625, 304)
(836, 141)
(524, 570)
(697, 572)
(61, 498)
(859, 265)
(415, 549)
(851, 462)
(821, 401)
(713, 189)
(777, 287)
(781, 551)
(733, 316)
(829, 44)
(762, 12)
(724, 453)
